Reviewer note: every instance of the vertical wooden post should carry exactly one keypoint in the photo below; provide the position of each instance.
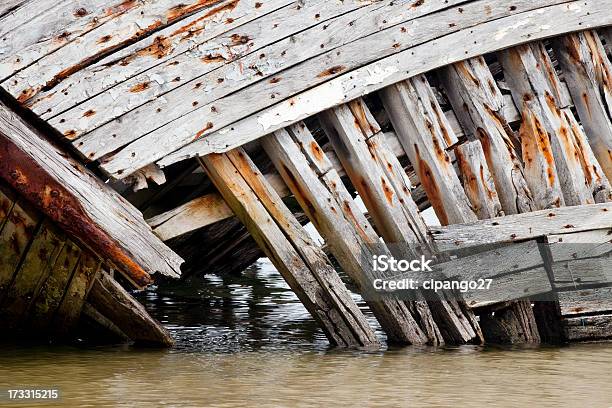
(382, 184)
(554, 171)
(479, 106)
(588, 73)
(317, 187)
(303, 265)
(425, 134)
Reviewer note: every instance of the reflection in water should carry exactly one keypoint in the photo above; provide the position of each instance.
(247, 341)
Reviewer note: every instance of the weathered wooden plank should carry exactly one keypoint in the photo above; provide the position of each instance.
(8, 6)
(524, 226)
(477, 180)
(209, 209)
(91, 313)
(588, 73)
(516, 271)
(118, 306)
(554, 172)
(149, 53)
(69, 310)
(581, 273)
(363, 163)
(15, 239)
(587, 244)
(596, 300)
(53, 289)
(34, 270)
(588, 328)
(479, 105)
(486, 37)
(43, 27)
(84, 35)
(303, 265)
(285, 37)
(412, 108)
(349, 235)
(79, 202)
(514, 322)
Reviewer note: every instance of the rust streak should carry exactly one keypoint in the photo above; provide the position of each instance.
(33, 183)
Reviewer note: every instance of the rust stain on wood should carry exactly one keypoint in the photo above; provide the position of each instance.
(429, 185)
(181, 10)
(33, 183)
(140, 87)
(189, 28)
(332, 71)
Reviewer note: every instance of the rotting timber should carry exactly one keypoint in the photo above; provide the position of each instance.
(230, 124)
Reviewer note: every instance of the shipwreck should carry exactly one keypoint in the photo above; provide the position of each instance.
(153, 139)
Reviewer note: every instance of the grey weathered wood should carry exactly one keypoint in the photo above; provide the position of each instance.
(81, 35)
(477, 180)
(285, 37)
(588, 328)
(99, 213)
(479, 105)
(588, 71)
(302, 264)
(209, 209)
(524, 226)
(113, 302)
(486, 37)
(349, 235)
(34, 270)
(152, 52)
(10, 5)
(91, 313)
(517, 271)
(554, 172)
(363, 162)
(191, 126)
(425, 136)
(586, 301)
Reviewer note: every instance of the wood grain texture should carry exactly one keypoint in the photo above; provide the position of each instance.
(524, 226)
(487, 37)
(554, 171)
(113, 302)
(79, 202)
(479, 103)
(588, 72)
(425, 136)
(301, 263)
(345, 229)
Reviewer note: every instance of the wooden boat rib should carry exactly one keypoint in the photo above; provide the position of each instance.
(235, 122)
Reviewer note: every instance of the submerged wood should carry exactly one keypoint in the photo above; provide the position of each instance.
(281, 237)
(113, 302)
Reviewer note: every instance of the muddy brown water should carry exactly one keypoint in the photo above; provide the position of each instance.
(247, 341)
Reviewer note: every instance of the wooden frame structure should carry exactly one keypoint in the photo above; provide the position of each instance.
(482, 110)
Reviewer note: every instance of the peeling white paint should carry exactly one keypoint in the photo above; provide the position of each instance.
(504, 31)
(378, 74)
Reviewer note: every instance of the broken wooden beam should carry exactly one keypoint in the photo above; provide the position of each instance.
(303, 265)
(113, 302)
(79, 202)
(588, 73)
(332, 211)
